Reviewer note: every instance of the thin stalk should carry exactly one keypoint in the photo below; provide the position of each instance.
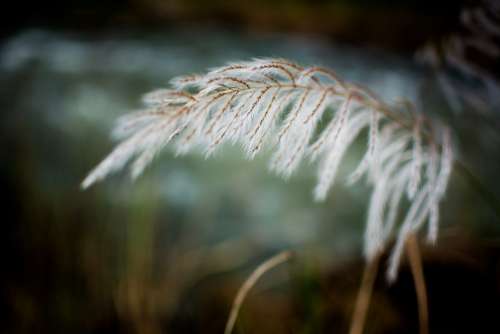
(415, 260)
(250, 282)
(364, 296)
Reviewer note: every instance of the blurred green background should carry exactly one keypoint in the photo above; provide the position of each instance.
(167, 253)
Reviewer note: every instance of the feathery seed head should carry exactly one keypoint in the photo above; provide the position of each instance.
(278, 102)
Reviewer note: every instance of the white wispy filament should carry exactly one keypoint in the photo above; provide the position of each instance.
(277, 102)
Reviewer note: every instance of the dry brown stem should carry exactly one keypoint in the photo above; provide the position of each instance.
(415, 260)
(364, 296)
(250, 282)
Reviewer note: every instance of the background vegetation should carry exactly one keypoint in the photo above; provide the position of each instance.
(168, 253)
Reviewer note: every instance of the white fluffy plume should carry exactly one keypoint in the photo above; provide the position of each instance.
(273, 101)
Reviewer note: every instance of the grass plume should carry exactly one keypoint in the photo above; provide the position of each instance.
(278, 103)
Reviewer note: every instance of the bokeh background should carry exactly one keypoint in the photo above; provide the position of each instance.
(167, 253)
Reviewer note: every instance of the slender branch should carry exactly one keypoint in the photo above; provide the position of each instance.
(250, 282)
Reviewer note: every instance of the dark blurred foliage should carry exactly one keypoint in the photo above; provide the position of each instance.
(167, 254)
(399, 25)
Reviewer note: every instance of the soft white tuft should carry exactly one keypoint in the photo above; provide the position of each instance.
(280, 103)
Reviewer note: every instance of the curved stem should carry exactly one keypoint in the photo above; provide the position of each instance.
(250, 282)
